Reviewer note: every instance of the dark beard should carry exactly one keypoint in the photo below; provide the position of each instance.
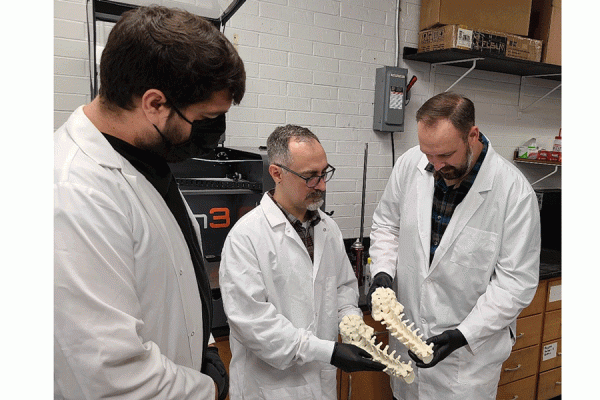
(451, 173)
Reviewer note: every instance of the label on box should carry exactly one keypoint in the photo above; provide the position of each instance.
(489, 43)
(464, 38)
(554, 293)
(549, 351)
(432, 36)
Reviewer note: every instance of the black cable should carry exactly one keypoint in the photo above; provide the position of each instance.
(393, 150)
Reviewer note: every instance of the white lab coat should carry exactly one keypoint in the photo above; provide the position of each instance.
(283, 311)
(127, 311)
(484, 272)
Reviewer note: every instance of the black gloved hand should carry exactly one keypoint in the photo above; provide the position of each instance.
(382, 279)
(351, 358)
(214, 367)
(443, 345)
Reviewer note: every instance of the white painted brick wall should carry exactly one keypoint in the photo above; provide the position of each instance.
(312, 63)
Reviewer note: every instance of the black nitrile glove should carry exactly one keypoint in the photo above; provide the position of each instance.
(215, 368)
(351, 358)
(383, 280)
(443, 345)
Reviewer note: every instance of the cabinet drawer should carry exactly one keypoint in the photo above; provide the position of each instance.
(521, 363)
(521, 389)
(549, 385)
(551, 355)
(553, 297)
(539, 300)
(529, 331)
(552, 326)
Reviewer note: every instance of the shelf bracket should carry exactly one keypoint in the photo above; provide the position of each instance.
(521, 109)
(547, 176)
(474, 60)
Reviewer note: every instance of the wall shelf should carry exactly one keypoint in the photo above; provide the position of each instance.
(537, 162)
(486, 62)
(555, 164)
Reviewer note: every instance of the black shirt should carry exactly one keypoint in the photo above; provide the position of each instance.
(158, 173)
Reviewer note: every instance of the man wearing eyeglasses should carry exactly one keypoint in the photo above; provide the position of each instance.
(286, 282)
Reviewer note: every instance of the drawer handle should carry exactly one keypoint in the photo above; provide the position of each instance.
(513, 369)
(349, 386)
(515, 398)
(560, 354)
(559, 383)
(520, 335)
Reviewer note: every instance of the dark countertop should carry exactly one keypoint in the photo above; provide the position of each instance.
(550, 264)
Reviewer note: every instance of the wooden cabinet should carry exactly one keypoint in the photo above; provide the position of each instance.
(551, 355)
(521, 389)
(222, 344)
(521, 364)
(533, 369)
(520, 370)
(367, 385)
(549, 385)
(529, 331)
(549, 382)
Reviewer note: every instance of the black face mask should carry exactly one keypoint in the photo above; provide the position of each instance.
(203, 139)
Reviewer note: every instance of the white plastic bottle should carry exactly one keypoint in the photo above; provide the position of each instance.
(558, 142)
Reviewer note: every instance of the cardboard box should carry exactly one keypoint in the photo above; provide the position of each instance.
(482, 41)
(546, 26)
(510, 16)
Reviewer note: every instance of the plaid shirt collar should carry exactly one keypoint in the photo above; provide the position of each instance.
(312, 216)
(468, 181)
(307, 235)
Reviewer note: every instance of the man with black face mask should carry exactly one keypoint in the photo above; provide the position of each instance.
(132, 298)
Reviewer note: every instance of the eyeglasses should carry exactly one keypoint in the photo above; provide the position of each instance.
(312, 181)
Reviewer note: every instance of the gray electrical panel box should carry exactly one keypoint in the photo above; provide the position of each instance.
(390, 91)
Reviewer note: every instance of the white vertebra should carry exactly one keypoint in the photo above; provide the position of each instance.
(354, 331)
(389, 311)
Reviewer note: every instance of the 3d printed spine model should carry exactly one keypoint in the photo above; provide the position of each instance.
(389, 311)
(354, 331)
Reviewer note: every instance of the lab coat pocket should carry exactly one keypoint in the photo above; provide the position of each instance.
(329, 383)
(485, 365)
(474, 248)
(286, 393)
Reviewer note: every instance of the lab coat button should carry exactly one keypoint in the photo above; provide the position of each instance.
(180, 272)
(192, 333)
(423, 320)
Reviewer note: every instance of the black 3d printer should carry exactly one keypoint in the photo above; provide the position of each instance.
(220, 191)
